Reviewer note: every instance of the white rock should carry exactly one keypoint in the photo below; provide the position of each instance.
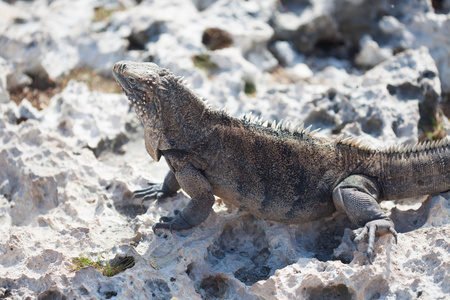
(371, 54)
(102, 50)
(26, 111)
(300, 72)
(82, 117)
(390, 25)
(46, 44)
(5, 70)
(249, 33)
(10, 13)
(288, 21)
(264, 59)
(433, 31)
(285, 52)
(4, 96)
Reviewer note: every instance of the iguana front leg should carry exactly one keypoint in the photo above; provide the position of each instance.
(159, 191)
(198, 209)
(357, 196)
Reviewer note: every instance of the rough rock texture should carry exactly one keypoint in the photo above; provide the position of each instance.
(67, 172)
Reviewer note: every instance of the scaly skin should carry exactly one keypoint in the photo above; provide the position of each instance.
(274, 172)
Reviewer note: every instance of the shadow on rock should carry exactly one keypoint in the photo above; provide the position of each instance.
(123, 200)
(242, 249)
(412, 219)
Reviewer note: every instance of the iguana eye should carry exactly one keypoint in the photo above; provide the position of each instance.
(131, 80)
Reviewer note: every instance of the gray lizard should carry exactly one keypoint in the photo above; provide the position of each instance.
(274, 171)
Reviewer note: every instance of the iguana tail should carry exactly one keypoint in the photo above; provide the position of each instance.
(416, 170)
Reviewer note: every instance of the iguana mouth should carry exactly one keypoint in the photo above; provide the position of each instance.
(119, 73)
(129, 92)
(122, 82)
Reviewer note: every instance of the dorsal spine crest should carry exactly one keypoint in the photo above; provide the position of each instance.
(353, 142)
(417, 147)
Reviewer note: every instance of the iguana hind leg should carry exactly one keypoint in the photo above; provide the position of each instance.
(357, 196)
(159, 191)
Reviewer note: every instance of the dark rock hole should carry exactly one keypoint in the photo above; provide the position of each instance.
(335, 48)
(439, 7)
(7, 293)
(213, 287)
(138, 40)
(334, 292)
(215, 38)
(52, 294)
(246, 243)
(326, 242)
(39, 92)
(110, 294)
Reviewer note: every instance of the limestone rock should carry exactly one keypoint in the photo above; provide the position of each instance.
(371, 54)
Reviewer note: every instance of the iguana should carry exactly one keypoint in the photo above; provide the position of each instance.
(273, 170)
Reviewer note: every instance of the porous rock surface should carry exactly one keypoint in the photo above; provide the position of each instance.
(67, 172)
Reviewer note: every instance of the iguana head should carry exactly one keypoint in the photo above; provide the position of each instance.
(141, 82)
(170, 111)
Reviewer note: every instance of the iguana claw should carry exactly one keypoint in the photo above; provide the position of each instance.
(380, 226)
(176, 222)
(155, 191)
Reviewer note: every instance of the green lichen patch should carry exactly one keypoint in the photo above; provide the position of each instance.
(435, 131)
(107, 268)
(250, 88)
(204, 62)
(102, 14)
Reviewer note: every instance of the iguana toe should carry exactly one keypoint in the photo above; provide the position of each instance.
(165, 219)
(155, 191)
(172, 223)
(148, 192)
(371, 228)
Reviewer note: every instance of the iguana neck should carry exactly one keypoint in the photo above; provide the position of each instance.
(181, 118)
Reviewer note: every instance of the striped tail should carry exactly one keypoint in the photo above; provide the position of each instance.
(415, 170)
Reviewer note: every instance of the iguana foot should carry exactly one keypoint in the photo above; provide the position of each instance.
(380, 227)
(176, 222)
(155, 191)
